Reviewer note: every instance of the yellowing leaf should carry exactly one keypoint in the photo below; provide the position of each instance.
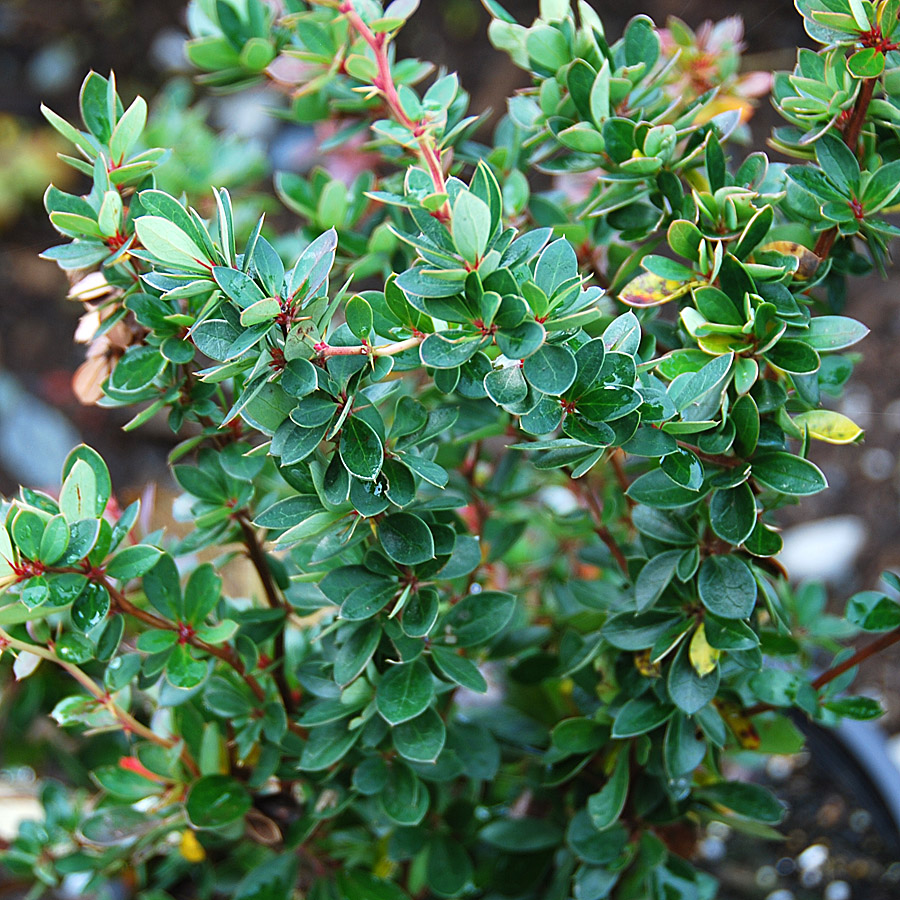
(191, 849)
(829, 426)
(644, 665)
(703, 656)
(807, 261)
(744, 730)
(653, 290)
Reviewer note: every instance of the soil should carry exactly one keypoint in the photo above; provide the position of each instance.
(841, 841)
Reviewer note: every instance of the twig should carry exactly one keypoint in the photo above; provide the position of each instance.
(615, 459)
(325, 350)
(275, 600)
(384, 83)
(717, 459)
(128, 722)
(861, 655)
(595, 509)
(851, 138)
(258, 558)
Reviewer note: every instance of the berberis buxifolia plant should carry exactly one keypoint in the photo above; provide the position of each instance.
(503, 428)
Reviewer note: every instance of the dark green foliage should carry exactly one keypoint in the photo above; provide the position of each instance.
(512, 504)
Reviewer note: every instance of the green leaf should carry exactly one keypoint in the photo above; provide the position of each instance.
(688, 690)
(640, 715)
(327, 745)
(547, 49)
(796, 357)
(684, 748)
(163, 587)
(54, 540)
(404, 692)
(506, 386)
(167, 242)
(102, 481)
(861, 708)
(421, 739)
(839, 163)
(732, 513)
(74, 648)
(684, 468)
(458, 669)
(359, 318)
(745, 799)
(214, 801)
(827, 333)
(449, 867)
(866, 63)
(132, 562)
(727, 587)
(521, 835)
(404, 798)
(788, 474)
(361, 449)
(551, 369)
(607, 804)
(656, 489)
(356, 651)
(470, 226)
(479, 617)
(263, 310)
(128, 129)
(124, 783)
(201, 594)
(273, 879)
(406, 539)
(78, 497)
(298, 378)
(137, 369)
(654, 578)
(91, 607)
(873, 611)
(441, 352)
(238, 286)
(156, 640)
(358, 885)
(184, 671)
(28, 531)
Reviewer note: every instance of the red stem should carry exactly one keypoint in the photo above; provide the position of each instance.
(861, 655)
(851, 139)
(384, 82)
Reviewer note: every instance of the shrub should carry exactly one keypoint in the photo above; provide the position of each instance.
(512, 504)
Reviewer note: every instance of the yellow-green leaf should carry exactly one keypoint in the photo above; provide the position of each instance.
(703, 656)
(654, 290)
(829, 426)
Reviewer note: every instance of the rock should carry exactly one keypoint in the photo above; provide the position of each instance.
(824, 549)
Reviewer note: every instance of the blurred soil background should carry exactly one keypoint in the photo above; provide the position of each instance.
(847, 535)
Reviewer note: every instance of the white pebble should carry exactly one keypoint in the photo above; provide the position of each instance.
(813, 857)
(837, 890)
(826, 548)
(877, 464)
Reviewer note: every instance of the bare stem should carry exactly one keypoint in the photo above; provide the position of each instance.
(326, 350)
(275, 601)
(595, 509)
